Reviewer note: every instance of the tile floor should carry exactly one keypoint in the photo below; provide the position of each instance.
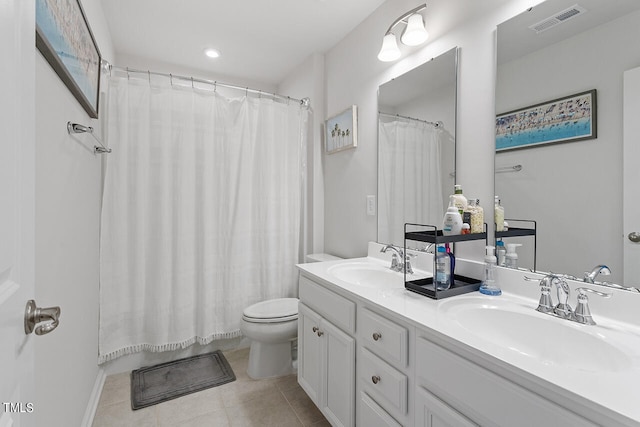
(273, 402)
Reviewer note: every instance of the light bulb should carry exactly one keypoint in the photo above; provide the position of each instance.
(212, 53)
(389, 51)
(415, 32)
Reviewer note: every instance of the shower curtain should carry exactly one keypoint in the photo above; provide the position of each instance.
(409, 182)
(201, 215)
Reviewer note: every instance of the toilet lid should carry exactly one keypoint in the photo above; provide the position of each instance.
(273, 310)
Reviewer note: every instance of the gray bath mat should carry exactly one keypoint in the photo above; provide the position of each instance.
(155, 384)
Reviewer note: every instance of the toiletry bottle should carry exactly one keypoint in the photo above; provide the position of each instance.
(442, 277)
(460, 201)
(452, 221)
(511, 258)
(489, 285)
(498, 212)
(501, 252)
(477, 217)
(452, 260)
(466, 228)
(468, 212)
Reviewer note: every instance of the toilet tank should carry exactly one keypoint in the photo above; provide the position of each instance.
(321, 257)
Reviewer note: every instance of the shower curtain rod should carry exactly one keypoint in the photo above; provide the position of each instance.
(437, 124)
(305, 102)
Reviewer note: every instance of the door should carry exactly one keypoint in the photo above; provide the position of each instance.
(340, 372)
(631, 177)
(17, 175)
(309, 353)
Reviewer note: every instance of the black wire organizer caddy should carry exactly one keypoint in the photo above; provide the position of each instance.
(430, 234)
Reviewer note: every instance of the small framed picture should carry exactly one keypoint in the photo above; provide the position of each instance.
(341, 131)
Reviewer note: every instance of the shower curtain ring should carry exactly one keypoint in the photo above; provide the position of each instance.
(246, 91)
(171, 79)
(215, 86)
(149, 76)
(192, 87)
(128, 76)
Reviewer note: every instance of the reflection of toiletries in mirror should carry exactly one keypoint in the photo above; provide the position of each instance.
(501, 252)
(460, 201)
(452, 221)
(489, 286)
(511, 257)
(477, 218)
(498, 212)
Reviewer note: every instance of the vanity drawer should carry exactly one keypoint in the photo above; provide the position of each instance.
(383, 382)
(384, 337)
(371, 414)
(339, 310)
(483, 396)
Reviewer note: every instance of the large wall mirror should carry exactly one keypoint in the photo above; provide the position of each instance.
(416, 146)
(572, 189)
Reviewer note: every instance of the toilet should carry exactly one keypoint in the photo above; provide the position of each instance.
(272, 327)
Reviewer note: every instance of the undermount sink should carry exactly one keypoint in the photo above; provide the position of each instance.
(367, 274)
(543, 338)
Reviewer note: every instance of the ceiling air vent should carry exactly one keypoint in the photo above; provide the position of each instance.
(558, 18)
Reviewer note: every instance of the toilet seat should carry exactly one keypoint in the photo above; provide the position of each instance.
(272, 311)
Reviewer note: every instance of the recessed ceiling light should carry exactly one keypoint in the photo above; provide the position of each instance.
(212, 53)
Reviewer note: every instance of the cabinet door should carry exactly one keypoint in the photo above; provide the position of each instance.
(433, 412)
(339, 368)
(310, 352)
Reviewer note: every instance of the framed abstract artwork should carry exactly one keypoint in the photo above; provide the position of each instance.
(566, 119)
(65, 40)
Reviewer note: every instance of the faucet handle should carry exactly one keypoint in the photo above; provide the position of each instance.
(582, 313)
(407, 262)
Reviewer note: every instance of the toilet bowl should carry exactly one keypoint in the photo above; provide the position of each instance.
(272, 327)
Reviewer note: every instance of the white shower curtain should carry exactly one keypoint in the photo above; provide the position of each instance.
(410, 182)
(201, 213)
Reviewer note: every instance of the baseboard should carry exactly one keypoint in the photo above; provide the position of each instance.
(94, 399)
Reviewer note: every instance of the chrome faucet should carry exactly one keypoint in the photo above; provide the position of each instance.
(598, 269)
(563, 310)
(397, 258)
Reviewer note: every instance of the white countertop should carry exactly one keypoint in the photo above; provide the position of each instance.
(613, 390)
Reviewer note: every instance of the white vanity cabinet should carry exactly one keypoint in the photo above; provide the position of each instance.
(460, 392)
(326, 351)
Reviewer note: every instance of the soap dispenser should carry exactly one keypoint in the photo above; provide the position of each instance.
(452, 221)
(511, 258)
(489, 286)
(501, 253)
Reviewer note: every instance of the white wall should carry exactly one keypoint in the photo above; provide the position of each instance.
(307, 81)
(571, 188)
(68, 194)
(353, 74)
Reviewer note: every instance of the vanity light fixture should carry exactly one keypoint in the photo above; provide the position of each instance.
(414, 34)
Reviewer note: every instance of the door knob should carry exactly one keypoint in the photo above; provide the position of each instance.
(634, 236)
(34, 314)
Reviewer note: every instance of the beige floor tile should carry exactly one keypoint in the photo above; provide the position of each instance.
(174, 412)
(272, 410)
(306, 411)
(216, 418)
(243, 390)
(287, 382)
(121, 415)
(117, 388)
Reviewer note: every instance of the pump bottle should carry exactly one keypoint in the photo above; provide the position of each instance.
(489, 286)
(511, 258)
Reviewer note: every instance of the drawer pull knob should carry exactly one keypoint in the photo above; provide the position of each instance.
(320, 333)
(317, 331)
(377, 336)
(375, 379)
